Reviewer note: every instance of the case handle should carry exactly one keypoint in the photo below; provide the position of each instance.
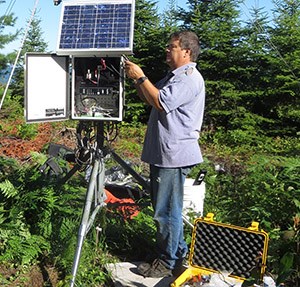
(254, 226)
(209, 216)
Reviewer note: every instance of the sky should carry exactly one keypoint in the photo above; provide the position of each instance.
(50, 17)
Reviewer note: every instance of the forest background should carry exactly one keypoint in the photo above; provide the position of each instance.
(250, 142)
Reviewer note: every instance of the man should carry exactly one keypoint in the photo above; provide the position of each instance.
(171, 144)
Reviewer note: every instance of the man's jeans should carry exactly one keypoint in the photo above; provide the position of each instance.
(167, 200)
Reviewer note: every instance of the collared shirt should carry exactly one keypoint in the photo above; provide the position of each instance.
(172, 135)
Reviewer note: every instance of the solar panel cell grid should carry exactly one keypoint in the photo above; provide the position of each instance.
(96, 26)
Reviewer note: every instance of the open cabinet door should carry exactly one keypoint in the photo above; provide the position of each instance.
(47, 87)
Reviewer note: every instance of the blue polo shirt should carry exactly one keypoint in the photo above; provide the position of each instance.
(172, 135)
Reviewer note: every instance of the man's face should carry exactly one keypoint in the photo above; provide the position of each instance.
(176, 56)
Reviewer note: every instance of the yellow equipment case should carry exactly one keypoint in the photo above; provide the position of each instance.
(235, 253)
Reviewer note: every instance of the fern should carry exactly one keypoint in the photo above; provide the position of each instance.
(2, 214)
(23, 249)
(8, 189)
(37, 215)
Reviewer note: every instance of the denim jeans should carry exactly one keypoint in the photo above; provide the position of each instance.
(167, 200)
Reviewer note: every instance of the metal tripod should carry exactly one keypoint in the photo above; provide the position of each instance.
(95, 191)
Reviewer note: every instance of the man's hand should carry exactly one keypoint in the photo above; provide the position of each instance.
(133, 71)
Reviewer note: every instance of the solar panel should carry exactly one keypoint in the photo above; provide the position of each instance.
(96, 26)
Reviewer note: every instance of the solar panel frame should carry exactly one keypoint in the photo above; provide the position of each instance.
(96, 27)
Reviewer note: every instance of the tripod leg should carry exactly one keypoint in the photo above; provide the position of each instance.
(85, 218)
(121, 162)
(100, 195)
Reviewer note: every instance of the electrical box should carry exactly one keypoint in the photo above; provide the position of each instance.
(80, 88)
(98, 88)
(85, 78)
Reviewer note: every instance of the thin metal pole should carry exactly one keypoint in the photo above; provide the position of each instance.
(95, 192)
(19, 53)
(85, 219)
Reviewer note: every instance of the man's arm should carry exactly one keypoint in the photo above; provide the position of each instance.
(146, 90)
(140, 94)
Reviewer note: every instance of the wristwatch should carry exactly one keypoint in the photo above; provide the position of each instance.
(140, 80)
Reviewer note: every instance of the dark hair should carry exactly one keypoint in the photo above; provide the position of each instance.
(188, 40)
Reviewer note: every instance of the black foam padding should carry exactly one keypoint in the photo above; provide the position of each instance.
(227, 249)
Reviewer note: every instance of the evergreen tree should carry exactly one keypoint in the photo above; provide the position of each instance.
(219, 32)
(252, 71)
(148, 39)
(170, 18)
(33, 43)
(148, 49)
(284, 97)
(253, 64)
(7, 20)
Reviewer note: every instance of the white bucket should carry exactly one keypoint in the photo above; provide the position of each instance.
(193, 197)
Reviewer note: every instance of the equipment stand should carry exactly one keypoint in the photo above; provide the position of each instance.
(95, 187)
(95, 191)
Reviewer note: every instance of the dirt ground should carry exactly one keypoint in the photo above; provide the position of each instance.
(20, 149)
(34, 277)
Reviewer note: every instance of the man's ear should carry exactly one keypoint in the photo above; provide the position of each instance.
(188, 53)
